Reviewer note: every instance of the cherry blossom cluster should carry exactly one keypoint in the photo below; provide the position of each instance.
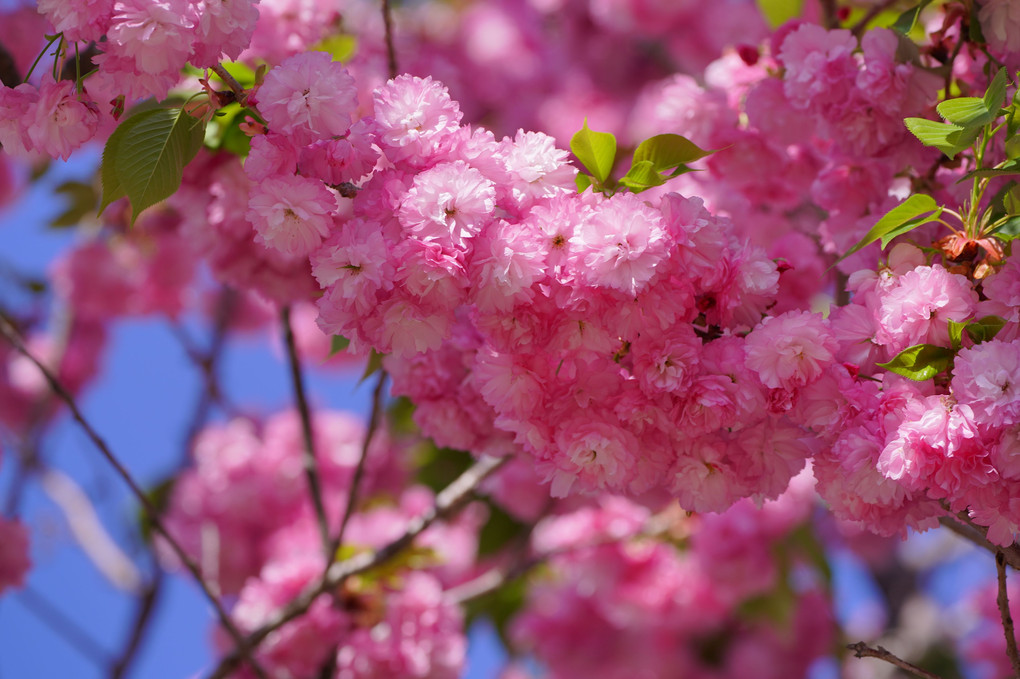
(616, 603)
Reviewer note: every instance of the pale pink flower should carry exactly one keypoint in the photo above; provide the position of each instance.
(790, 350)
(918, 308)
(355, 262)
(291, 214)
(224, 27)
(621, 244)
(78, 20)
(308, 97)
(986, 377)
(1000, 25)
(414, 117)
(156, 35)
(449, 204)
(62, 121)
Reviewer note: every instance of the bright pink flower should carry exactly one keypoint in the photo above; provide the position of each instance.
(414, 117)
(78, 20)
(448, 204)
(790, 350)
(918, 308)
(986, 377)
(356, 262)
(224, 27)
(291, 214)
(621, 244)
(308, 97)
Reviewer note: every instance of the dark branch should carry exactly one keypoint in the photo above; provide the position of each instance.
(862, 650)
(152, 513)
(308, 460)
(143, 617)
(359, 471)
(1007, 619)
(967, 529)
(447, 502)
(391, 51)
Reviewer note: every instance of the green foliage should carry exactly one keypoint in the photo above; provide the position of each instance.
(984, 328)
(337, 344)
(946, 137)
(778, 12)
(916, 210)
(905, 22)
(663, 153)
(920, 362)
(81, 201)
(340, 47)
(145, 157)
(224, 131)
(596, 151)
(373, 366)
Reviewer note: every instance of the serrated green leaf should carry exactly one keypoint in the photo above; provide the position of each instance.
(946, 137)
(920, 362)
(667, 151)
(906, 21)
(642, 176)
(81, 202)
(909, 214)
(583, 181)
(373, 366)
(778, 12)
(1008, 230)
(1008, 169)
(595, 150)
(956, 333)
(152, 154)
(985, 328)
(112, 188)
(337, 344)
(967, 111)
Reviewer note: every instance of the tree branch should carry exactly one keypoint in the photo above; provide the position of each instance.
(308, 460)
(862, 650)
(862, 25)
(230, 81)
(447, 502)
(146, 606)
(359, 471)
(976, 534)
(1007, 619)
(391, 52)
(8, 331)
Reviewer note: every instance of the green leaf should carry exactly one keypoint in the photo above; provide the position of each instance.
(337, 344)
(985, 328)
(778, 12)
(81, 202)
(667, 151)
(967, 111)
(641, 176)
(595, 150)
(1013, 147)
(340, 47)
(907, 215)
(995, 95)
(149, 158)
(373, 366)
(1009, 230)
(1008, 169)
(112, 188)
(906, 21)
(920, 362)
(948, 138)
(956, 333)
(583, 181)
(1011, 199)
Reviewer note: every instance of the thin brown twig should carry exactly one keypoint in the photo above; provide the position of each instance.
(974, 533)
(308, 460)
(8, 331)
(359, 471)
(1007, 619)
(391, 51)
(859, 28)
(230, 81)
(829, 18)
(862, 650)
(448, 501)
(146, 607)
